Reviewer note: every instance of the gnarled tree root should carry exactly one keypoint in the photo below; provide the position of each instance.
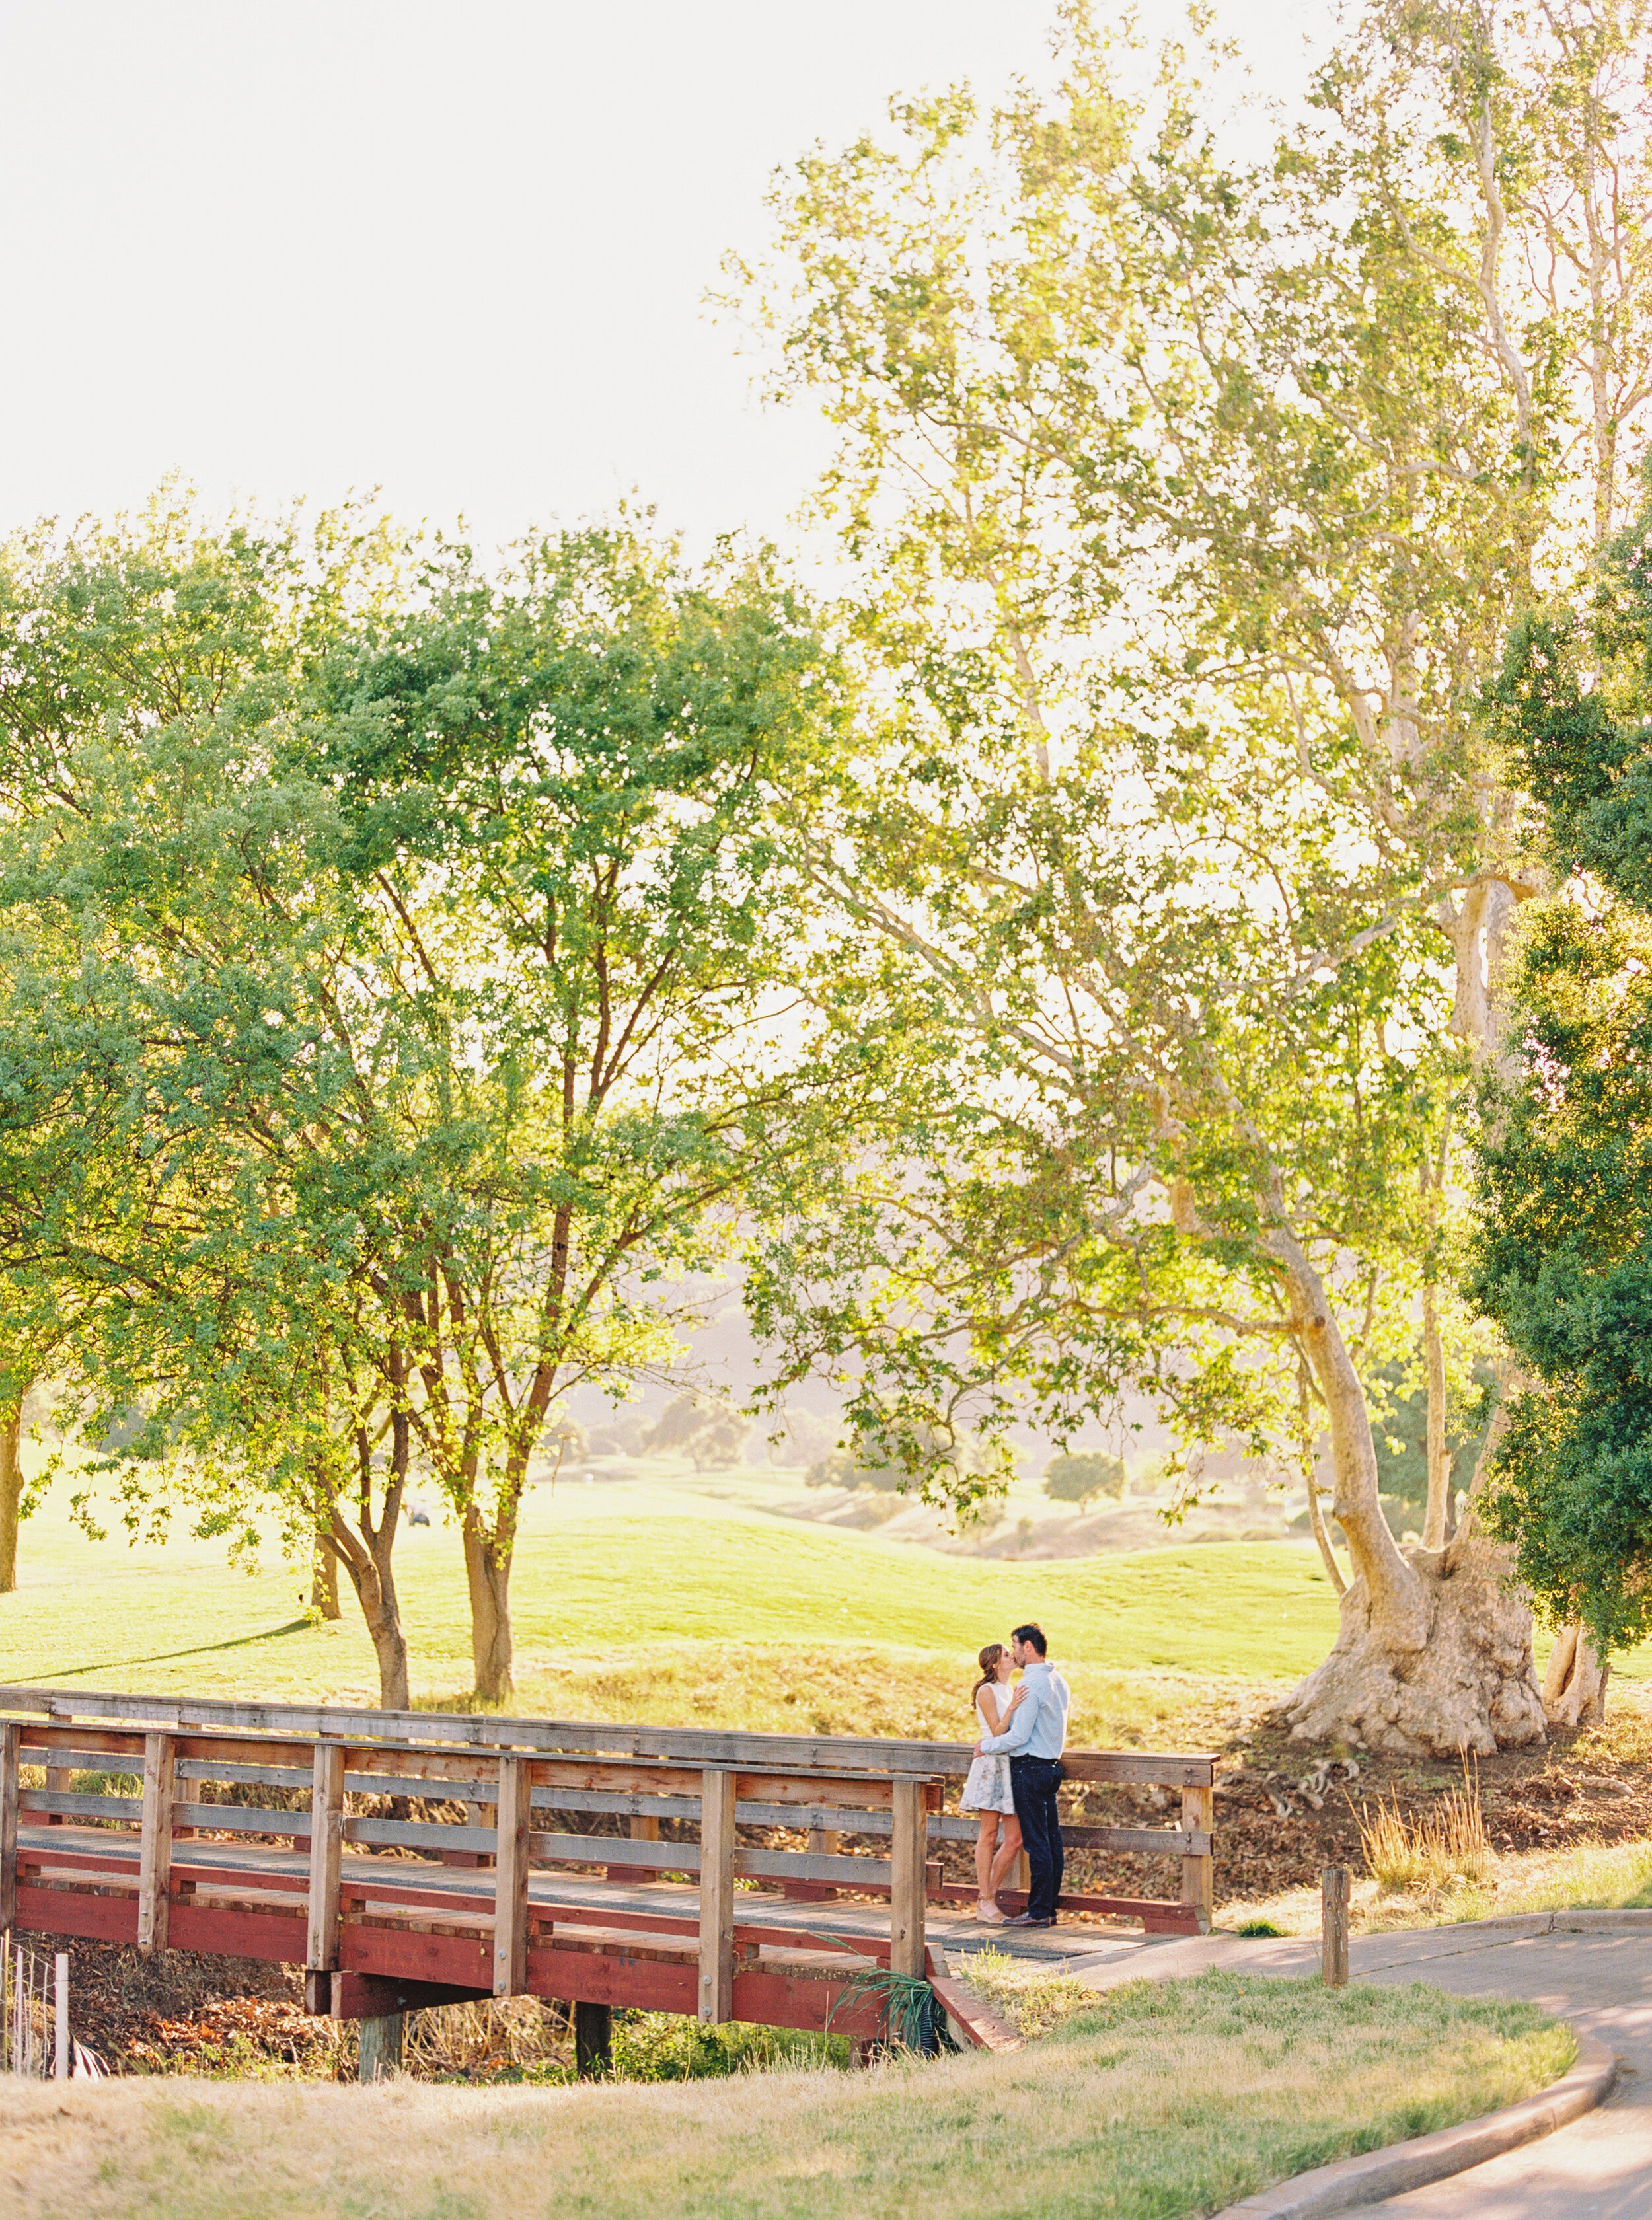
(1575, 1687)
(1470, 1686)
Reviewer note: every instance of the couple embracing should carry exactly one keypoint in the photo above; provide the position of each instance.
(1016, 1773)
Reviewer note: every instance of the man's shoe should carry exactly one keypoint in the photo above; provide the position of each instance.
(1025, 1920)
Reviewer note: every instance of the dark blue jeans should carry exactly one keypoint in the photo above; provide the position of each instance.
(1033, 1783)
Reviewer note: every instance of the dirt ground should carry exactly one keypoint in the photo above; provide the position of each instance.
(1283, 1813)
(183, 2013)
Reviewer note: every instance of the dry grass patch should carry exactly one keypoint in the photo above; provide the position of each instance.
(1435, 1850)
(1032, 1997)
(1154, 2101)
(1589, 1876)
(864, 1688)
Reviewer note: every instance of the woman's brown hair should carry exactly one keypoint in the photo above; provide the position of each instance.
(987, 1662)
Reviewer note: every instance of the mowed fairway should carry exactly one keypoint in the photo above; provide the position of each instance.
(609, 1578)
(652, 1601)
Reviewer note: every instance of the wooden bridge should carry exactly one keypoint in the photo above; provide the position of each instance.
(474, 1883)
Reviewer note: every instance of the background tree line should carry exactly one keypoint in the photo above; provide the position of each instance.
(394, 1003)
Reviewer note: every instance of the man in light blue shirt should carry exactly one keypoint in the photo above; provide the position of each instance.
(1033, 1741)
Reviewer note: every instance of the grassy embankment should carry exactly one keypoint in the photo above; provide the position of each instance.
(1156, 2100)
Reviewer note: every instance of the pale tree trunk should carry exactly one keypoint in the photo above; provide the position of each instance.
(369, 1567)
(1433, 1657)
(1322, 1539)
(11, 1492)
(487, 1573)
(1439, 1463)
(324, 1579)
(365, 1555)
(1305, 1450)
(1575, 1687)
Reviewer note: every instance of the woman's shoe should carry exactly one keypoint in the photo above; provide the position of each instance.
(989, 1915)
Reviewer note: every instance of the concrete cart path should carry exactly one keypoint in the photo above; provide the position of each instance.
(1597, 2168)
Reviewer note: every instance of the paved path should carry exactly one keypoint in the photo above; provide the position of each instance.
(1597, 2168)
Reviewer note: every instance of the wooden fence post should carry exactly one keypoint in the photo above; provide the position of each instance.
(510, 1877)
(1198, 1874)
(9, 1763)
(643, 1829)
(1333, 1926)
(326, 1847)
(155, 1842)
(908, 1846)
(820, 1842)
(826, 1842)
(60, 2015)
(716, 1897)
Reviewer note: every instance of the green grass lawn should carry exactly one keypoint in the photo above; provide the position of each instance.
(1157, 2100)
(657, 1602)
(680, 1593)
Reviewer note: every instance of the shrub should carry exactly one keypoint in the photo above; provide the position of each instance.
(841, 1470)
(1080, 1478)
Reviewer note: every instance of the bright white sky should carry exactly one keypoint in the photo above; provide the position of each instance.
(457, 251)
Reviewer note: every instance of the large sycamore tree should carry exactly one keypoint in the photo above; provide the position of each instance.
(1192, 498)
(420, 1026)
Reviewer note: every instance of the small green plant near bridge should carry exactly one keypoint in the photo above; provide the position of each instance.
(1154, 2101)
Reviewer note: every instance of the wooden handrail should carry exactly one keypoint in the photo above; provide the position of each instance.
(745, 1752)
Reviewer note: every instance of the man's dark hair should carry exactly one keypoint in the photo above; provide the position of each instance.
(1035, 1635)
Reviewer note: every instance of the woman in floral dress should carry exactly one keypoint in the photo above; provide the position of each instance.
(987, 1791)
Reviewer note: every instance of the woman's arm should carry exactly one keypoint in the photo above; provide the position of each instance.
(987, 1706)
(1013, 1736)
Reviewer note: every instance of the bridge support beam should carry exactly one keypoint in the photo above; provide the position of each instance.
(375, 1996)
(592, 2041)
(382, 2041)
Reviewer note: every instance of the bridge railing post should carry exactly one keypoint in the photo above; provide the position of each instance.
(643, 1828)
(325, 1852)
(716, 1896)
(908, 1847)
(9, 1762)
(155, 1842)
(511, 1829)
(1197, 1872)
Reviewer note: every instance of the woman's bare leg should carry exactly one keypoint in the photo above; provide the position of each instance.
(1008, 1850)
(985, 1842)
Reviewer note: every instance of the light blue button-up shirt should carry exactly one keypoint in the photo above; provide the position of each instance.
(1039, 1728)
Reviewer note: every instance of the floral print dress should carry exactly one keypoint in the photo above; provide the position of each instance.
(987, 1787)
